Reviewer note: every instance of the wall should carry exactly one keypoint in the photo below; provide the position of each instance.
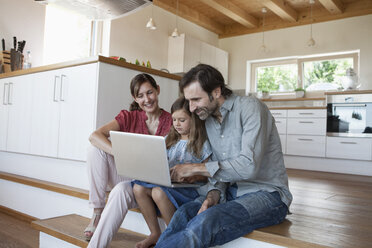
(25, 20)
(342, 35)
(130, 39)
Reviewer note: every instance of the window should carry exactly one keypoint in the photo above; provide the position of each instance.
(313, 73)
(67, 35)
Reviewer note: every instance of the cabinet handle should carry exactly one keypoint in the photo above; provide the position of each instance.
(348, 142)
(10, 94)
(55, 89)
(305, 113)
(306, 139)
(5, 100)
(61, 94)
(278, 122)
(306, 122)
(276, 113)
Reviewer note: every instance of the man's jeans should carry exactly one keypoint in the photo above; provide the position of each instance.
(223, 222)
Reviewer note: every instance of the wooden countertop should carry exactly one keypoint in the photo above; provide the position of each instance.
(89, 61)
(299, 107)
(293, 99)
(347, 92)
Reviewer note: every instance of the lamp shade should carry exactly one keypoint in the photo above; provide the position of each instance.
(151, 24)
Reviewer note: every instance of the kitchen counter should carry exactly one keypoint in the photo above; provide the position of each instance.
(347, 92)
(89, 61)
(299, 107)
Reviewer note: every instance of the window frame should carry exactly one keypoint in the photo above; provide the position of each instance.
(300, 67)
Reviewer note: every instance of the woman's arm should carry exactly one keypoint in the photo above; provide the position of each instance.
(99, 138)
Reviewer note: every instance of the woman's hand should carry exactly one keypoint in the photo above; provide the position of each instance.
(212, 199)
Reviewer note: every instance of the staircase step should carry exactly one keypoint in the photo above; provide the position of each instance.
(70, 229)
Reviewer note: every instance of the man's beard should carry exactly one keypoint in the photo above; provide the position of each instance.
(205, 112)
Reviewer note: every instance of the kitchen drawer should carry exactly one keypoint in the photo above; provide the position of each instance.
(281, 125)
(307, 126)
(349, 148)
(307, 113)
(283, 141)
(279, 113)
(306, 145)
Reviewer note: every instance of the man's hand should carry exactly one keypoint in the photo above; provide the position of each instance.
(188, 172)
(212, 199)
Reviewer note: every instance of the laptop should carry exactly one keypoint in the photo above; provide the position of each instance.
(143, 157)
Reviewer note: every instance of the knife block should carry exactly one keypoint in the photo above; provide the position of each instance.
(5, 58)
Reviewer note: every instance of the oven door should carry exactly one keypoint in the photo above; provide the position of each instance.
(349, 119)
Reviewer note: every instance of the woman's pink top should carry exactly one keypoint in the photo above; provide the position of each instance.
(135, 122)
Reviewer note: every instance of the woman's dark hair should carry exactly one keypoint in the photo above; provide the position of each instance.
(208, 77)
(198, 134)
(135, 85)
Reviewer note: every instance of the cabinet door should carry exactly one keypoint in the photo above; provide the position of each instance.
(191, 53)
(19, 116)
(77, 102)
(4, 89)
(222, 63)
(207, 54)
(349, 148)
(45, 114)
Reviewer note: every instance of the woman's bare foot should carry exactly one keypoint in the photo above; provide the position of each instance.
(149, 241)
(88, 232)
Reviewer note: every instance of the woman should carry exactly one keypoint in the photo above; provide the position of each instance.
(145, 117)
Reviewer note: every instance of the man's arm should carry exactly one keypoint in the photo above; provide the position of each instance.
(213, 197)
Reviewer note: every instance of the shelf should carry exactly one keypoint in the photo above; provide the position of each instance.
(294, 99)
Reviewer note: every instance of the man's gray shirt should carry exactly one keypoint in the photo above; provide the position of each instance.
(246, 148)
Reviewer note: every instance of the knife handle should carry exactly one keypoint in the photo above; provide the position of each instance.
(15, 43)
(3, 43)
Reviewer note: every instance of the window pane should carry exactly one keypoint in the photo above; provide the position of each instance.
(280, 78)
(67, 35)
(326, 74)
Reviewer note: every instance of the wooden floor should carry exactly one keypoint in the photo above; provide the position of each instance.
(328, 209)
(15, 233)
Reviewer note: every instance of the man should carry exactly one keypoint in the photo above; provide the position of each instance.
(247, 155)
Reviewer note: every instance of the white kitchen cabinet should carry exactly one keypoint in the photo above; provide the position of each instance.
(349, 148)
(64, 100)
(19, 113)
(46, 112)
(222, 63)
(185, 52)
(52, 113)
(306, 145)
(77, 120)
(4, 91)
(307, 113)
(307, 126)
(207, 54)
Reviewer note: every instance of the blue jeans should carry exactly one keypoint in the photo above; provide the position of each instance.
(223, 222)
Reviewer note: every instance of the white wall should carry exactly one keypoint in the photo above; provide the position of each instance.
(341, 35)
(130, 38)
(25, 20)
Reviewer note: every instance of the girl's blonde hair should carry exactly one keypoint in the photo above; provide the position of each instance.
(197, 135)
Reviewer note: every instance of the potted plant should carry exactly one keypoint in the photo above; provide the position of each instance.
(265, 94)
(300, 92)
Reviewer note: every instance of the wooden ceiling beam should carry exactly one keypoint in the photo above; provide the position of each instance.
(333, 6)
(232, 11)
(190, 14)
(283, 10)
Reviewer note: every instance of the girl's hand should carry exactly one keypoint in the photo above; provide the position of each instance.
(212, 199)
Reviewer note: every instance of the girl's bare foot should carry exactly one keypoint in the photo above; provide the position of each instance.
(149, 241)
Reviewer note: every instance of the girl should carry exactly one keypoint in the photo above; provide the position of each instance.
(186, 143)
(145, 117)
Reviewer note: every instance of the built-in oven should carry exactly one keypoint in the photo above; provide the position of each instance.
(349, 115)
